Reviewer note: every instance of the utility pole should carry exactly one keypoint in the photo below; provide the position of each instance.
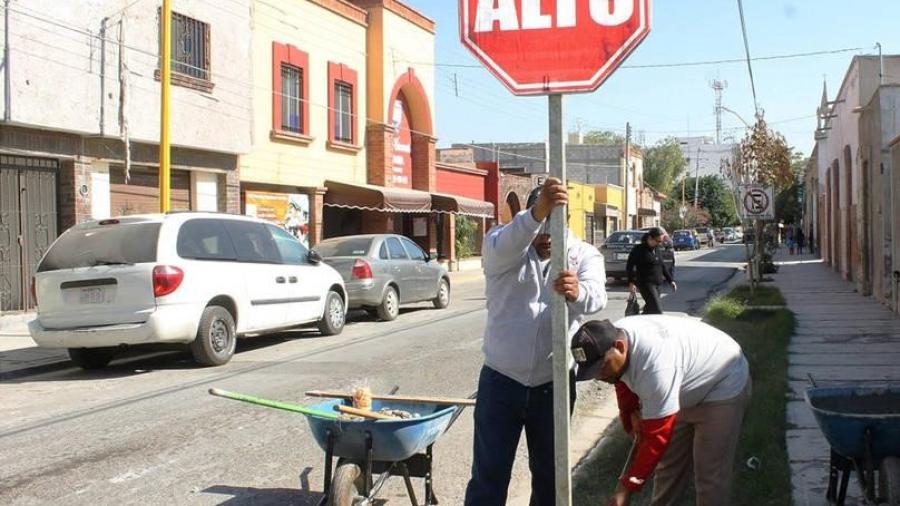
(165, 80)
(628, 225)
(697, 180)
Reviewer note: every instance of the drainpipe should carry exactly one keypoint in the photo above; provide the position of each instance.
(103, 23)
(7, 91)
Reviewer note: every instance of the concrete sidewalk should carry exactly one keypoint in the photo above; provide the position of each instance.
(841, 338)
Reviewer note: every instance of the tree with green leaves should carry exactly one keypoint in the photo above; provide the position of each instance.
(763, 157)
(715, 196)
(604, 138)
(663, 164)
(787, 202)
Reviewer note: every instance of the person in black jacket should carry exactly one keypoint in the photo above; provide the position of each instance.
(646, 271)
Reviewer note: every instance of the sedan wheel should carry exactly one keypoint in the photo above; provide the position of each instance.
(390, 305)
(442, 300)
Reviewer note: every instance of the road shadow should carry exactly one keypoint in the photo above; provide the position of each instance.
(273, 496)
(265, 496)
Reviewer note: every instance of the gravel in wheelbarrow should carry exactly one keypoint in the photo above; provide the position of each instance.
(392, 440)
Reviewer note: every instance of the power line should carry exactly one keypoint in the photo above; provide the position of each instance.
(824, 52)
(747, 51)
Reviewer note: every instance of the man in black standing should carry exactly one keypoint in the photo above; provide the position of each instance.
(646, 271)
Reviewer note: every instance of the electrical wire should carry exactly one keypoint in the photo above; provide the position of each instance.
(749, 59)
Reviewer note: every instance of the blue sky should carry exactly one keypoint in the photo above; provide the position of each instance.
(677, 101)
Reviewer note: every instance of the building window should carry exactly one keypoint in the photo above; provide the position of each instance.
(190, 47)
(190, 52)
(343, 112)
(342, 100)
(290, 93)
(291, 98)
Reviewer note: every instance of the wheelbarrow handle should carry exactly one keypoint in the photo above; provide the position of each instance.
(296, 408)
(460, 410)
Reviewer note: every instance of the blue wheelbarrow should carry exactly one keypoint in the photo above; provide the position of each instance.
(862, 425)
(369, 452)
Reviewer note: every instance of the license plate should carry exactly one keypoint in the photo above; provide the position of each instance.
(621, 256)
(91, 296)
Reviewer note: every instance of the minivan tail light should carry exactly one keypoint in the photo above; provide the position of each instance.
(166, 279)
(362, 270)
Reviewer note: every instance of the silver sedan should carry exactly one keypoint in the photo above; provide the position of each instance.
(383, 271)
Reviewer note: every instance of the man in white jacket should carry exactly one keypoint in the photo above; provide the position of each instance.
(515, 388)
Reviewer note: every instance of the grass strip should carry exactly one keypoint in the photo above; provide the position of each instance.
(764, 337)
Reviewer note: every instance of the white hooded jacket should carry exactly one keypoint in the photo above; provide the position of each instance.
(518, 336)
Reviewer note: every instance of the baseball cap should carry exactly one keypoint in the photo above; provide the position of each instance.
(589, 347)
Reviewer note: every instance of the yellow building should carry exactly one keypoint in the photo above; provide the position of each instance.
(343, 139)
(609, 209)
(581, 211)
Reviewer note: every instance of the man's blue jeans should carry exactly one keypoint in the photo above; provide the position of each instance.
(503, 408)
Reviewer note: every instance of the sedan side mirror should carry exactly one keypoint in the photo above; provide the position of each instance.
(427, 257)
(314, 257)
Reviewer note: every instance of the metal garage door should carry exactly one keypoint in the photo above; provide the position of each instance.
(141, 194)
(28, 224)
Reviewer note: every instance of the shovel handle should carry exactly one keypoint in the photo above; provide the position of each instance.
(440, 401)
(365, 413)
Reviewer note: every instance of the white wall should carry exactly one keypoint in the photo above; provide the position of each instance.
(56, 71)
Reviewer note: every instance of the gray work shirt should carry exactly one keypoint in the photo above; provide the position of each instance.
(518, 336)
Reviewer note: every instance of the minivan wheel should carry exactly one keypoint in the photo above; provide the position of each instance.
(442, 300)
(91, 358)
(216, 337)
(390, 305)
(332, 322)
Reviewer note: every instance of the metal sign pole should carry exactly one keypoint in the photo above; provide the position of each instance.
(560, 314)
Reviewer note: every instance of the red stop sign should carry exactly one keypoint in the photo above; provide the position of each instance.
(553, 46)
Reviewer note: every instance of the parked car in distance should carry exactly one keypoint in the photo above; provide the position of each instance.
(618, 246)
(719, 235)
(706, 236)
(202, 279)
(729, 234)
(685, 240)
(384, 271)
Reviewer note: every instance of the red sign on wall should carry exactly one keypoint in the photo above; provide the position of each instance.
(553, 46)
(401, 160)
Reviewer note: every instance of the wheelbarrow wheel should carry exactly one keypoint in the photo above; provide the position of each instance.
(889, 480)
(346, 485)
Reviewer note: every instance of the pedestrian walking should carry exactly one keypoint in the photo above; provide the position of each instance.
(682, 388)
(800, 238)
(647, 271)
(515, 387)
(789, 239)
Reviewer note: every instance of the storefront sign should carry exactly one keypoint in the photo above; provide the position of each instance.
(290, 211)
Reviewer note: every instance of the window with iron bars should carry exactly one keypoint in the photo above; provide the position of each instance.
(343, 113)
(190, 47)
(292, 99)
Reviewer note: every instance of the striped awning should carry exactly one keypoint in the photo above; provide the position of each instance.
(368, 197)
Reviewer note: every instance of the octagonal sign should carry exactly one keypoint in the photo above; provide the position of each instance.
(553, 46)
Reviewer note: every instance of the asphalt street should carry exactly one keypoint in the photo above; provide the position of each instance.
(145, 430)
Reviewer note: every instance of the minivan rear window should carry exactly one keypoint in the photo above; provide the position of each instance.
(112, 244)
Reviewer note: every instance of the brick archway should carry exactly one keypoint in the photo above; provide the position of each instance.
(409, 92)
